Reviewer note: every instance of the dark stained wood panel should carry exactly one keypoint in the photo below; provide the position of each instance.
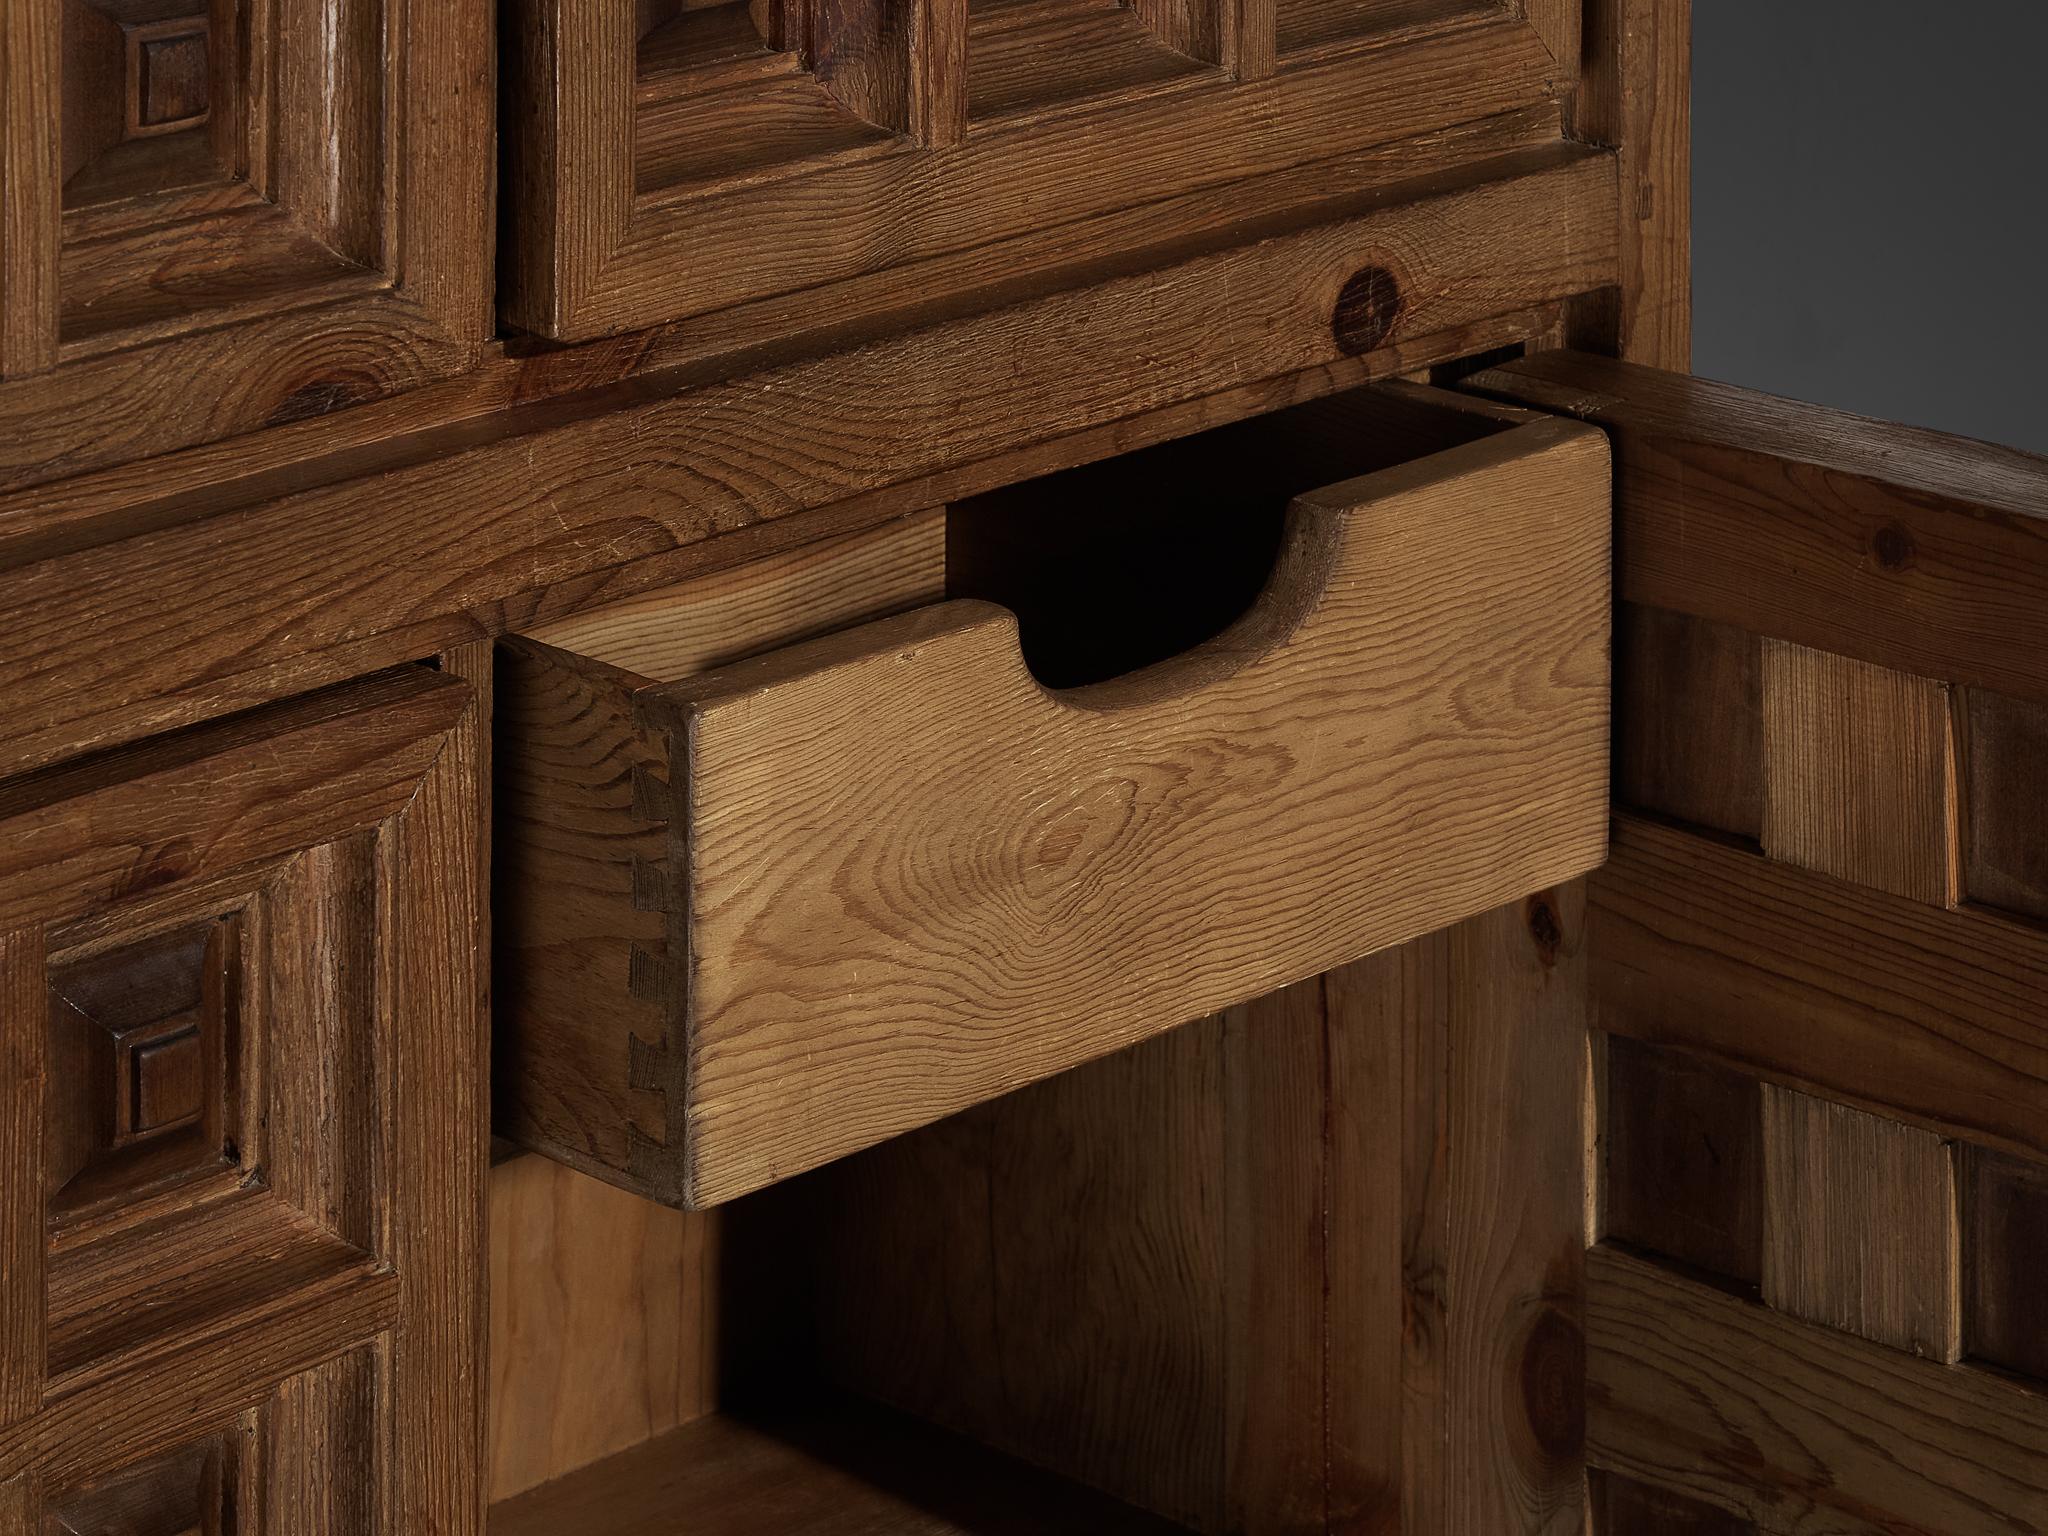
(1622, 1507)
(1688, 719)
(1681, 1158)
(2005, 1258)
(2005, 854)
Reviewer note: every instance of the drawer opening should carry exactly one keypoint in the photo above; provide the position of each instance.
(802, 856)
(1114, 566)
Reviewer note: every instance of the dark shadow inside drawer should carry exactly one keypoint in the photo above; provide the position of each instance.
(1119, 564)
(778, 879)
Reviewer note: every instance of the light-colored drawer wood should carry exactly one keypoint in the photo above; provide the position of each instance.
(758, 916)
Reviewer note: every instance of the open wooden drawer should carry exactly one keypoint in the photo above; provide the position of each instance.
(759, 914)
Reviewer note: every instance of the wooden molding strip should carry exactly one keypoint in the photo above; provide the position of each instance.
(535, 520)
(1920, 1012)
(1912, 549)
(1797, 1427)
(230, 793)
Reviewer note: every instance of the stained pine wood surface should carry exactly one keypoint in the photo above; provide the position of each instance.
(968, 791)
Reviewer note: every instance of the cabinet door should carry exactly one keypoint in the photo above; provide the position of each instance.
(227, 214)
(242, 1129)
(674, 157)
(1820, 961)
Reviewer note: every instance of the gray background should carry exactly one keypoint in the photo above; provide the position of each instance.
(1870, 207)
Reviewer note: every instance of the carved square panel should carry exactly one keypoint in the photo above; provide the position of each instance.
(670, 159)
(224, 1201)
(303, 187)
(142, 1084)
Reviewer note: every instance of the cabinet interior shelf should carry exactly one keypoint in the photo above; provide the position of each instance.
(833, 1465)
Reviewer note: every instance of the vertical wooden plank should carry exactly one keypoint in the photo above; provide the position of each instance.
(1047, 1273)
(2005, 862)
(23, 1295)
(1860, 1226)
(1860, 773)
(1387, 1237)
(2005, 1257)
(603, 1321)
(1681, 1155)
(1276, 1097)
(1514, 1350)
(1688, 719)
(1635, 94)
(320, 1451)
(30, 184)
(324, 1138)
(431, 928)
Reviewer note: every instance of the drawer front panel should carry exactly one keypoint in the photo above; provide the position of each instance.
(670, 160)
(236, 1240)
(898, 876)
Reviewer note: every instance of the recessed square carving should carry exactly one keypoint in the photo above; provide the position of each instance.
(1682, 1159)
(170, 74)
(2005, 1258)
(133, 69)
(139, 1053)
(186, 1492)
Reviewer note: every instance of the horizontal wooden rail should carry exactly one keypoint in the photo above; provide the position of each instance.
(1924, 1013)
(1799, 1428)
(532, 513)
(1916, 550)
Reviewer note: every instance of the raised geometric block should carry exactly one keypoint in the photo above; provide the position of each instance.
(133, 69)
(140, 1082)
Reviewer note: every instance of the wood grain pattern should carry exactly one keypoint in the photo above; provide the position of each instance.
(1800, 1429)
(30, 181)
(1859, 773)
(836, 1471)
(466, 539)
(2005, 1245)
(381, 172)
(601, 1321)
(586, 877)
(1635, 94)
(22, 1072)
(431, 977)
(1924, 1015)
(1860, 1226)
(383, 431)
(1903, 548)
(1044, 1275)
(590, 259)
(1512, 1353)
(338, 761)
(2005, 857)
(950, 681)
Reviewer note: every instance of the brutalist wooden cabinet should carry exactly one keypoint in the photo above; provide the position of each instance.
(1132, 820)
